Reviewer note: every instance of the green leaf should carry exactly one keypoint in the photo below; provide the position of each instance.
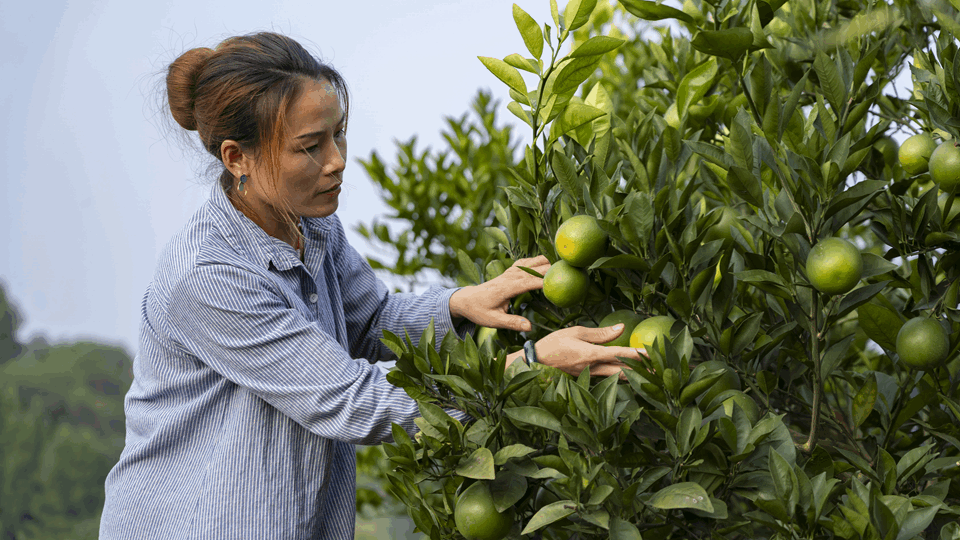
(638, 215)
(740, 145)
(574, 116)
(434, 415)
(880, 324)
(682, 495)
(695, 85)
(507, 489)
(745, 185)
(916, 522)
(875, 265)
(600, 494)
(513, 451)
(550, 513)
(574, 73)
(623, 530)
(529, 30)
(520, 62)
(577, 13)
(479, 465)
(784, 479)
(505, 72)
(596, 45)
(534, 416)
(566, 172)
(652, 11)
(731, 43)
(830, 82)
(864, 401)
(468, 267)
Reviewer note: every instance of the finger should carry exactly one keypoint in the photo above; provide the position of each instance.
(600, 335)
(625, 352)
(511, 322)
(605, 370)
(539, 260)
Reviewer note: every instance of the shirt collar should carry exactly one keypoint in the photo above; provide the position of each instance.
(248, 238)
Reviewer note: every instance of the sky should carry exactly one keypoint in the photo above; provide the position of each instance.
(94, 185)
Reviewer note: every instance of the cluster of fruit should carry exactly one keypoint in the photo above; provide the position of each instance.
(834, 265)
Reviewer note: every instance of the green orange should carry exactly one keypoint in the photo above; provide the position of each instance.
(945, 166)
(629, 318)
(650, 330)
(834, 266)
(580, 241)
(915, 152)
(477, 517)
(922, 343)
(565, 285)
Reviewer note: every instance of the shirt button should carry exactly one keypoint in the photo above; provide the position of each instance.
(313, 298)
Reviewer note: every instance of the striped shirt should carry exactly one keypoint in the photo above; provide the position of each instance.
(251, 384)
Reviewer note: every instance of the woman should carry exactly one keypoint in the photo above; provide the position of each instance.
(250, 386)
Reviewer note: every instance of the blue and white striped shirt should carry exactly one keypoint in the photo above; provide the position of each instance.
(250, 385)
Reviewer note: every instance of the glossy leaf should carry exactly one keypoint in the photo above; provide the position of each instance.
(529, 30)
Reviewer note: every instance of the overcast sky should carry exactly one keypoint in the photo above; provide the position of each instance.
(92, 187)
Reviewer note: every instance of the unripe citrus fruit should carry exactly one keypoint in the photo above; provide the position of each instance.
(945, 166)
(834, 266)
(650, 330)
(476, 516)
(922, 343)
(565, 285)
(914, 153)
(580, 241)
(629, 318)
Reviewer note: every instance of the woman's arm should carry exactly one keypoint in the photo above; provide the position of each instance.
(237, 323)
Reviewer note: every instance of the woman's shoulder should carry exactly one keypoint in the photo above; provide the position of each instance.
(201, 244)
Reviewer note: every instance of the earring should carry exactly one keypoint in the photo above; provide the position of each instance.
(243, 180)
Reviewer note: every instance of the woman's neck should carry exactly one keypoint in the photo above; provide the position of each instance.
(270, 221)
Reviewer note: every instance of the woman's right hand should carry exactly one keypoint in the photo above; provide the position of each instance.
(578, 347)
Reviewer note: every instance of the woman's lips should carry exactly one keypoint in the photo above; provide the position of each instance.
(331, 190)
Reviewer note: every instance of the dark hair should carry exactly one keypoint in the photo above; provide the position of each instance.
(242, 90)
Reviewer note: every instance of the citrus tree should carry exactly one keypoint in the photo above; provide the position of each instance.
(728, 171)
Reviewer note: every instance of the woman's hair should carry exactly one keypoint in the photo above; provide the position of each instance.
(242, 91)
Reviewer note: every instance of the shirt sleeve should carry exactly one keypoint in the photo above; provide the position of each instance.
(370, 309)
(236, 322)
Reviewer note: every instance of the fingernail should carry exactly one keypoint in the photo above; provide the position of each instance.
(618, 326)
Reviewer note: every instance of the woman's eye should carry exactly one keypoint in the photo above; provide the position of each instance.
(311, 148)
(341, 133)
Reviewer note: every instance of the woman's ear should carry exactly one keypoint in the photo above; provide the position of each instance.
(233, 158)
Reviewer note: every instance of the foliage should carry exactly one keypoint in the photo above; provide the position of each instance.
(776, 110)
(61, 415)
(443, 196)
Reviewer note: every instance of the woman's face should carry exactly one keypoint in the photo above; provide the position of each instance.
(312, 159)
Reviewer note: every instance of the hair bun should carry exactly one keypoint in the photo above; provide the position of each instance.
(182, 77)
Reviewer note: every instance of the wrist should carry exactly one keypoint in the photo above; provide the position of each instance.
(456, 304)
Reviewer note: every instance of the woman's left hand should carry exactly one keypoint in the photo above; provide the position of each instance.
(486, 304)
